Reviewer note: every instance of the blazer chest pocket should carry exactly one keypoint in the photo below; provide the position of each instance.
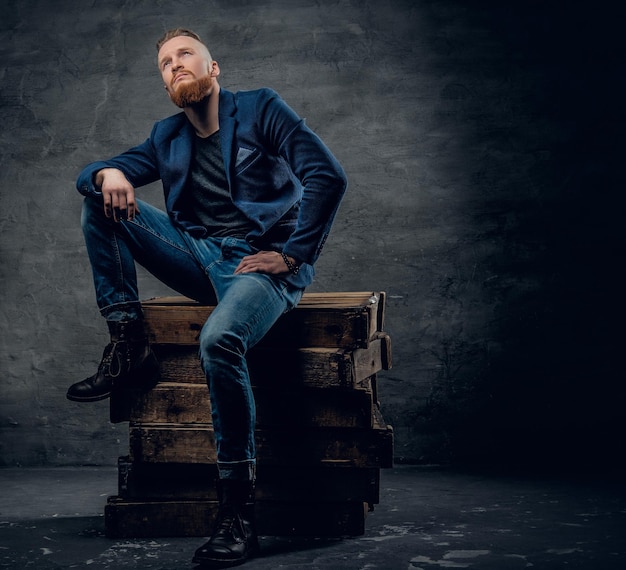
(245, 157)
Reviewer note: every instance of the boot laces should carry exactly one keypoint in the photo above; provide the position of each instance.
(227, 524)
(116, 355)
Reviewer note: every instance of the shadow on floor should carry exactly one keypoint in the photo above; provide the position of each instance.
(427, 519)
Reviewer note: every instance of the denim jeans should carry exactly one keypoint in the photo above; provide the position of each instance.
(202, 269)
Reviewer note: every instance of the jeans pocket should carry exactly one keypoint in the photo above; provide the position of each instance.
(235, 248)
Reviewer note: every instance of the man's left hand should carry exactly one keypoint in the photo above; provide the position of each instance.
(270, 262)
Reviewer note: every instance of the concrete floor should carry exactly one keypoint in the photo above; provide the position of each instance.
(428, 518)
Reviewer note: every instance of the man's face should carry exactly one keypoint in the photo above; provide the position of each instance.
(187, 70)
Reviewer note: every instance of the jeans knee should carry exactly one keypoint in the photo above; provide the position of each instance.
(92, 207)
(220, 347)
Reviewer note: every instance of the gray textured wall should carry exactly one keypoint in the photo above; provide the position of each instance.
(482, 143)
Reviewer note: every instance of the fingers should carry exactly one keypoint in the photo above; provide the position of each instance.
(119, 203)
(118, 209)
(269, 262)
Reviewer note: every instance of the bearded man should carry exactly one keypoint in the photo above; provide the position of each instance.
(251, 193)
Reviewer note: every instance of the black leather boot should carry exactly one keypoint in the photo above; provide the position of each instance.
(234, 539)
(127, 361)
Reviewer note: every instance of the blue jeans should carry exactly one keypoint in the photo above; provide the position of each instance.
(202, 269)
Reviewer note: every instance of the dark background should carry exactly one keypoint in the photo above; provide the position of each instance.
(484, 147)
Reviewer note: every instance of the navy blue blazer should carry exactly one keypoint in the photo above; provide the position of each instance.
(281, 175)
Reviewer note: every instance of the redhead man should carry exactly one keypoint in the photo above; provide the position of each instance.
(250, 193)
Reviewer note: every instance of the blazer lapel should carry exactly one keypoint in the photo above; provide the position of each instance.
(181, 149)
(228, 125)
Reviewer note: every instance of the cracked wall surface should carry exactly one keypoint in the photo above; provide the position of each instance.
(483, 148)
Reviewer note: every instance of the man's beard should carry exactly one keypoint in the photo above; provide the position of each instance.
(189, 93)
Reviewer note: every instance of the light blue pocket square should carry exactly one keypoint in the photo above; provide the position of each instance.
(242, 155)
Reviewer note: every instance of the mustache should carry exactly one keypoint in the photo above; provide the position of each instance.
(177, 75)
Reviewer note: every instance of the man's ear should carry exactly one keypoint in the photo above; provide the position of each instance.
(214, 69)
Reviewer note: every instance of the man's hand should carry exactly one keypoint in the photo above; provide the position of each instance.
(118, 194)
(270, 262)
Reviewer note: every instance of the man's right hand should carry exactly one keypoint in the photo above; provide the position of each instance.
(118, 194)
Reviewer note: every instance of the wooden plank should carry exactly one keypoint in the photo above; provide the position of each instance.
(165, 481)
(307, 367)
(382, 305)
(310, 300)
(179, 363)
(156, 519)
(320, 367)
(189, 443)
(313, 408)
(176, 403)
(179, 481)
(342, 320)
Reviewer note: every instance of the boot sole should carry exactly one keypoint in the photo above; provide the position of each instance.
(88, 398)
(213, 563)
(220, 563)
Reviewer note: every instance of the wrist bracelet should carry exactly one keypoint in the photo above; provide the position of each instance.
(292, 268)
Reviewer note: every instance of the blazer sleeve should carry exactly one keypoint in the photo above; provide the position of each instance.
(322, 178)
(139, 165)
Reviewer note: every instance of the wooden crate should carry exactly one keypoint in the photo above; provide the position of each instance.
(151, 519)
(312, 367)
(194, 443)
(184, 481)
(323, 320)
(321, 440)
(178, 403)
(303, 369)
